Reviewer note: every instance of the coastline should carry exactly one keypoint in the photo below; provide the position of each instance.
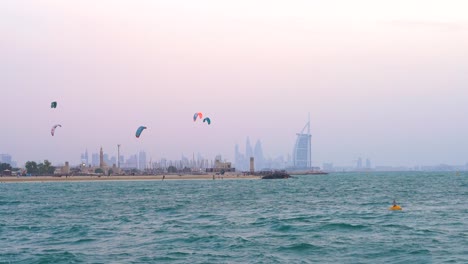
(12, 179)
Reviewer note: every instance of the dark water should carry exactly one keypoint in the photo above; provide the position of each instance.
(337, 218)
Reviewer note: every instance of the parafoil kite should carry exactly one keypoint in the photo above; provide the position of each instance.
(207, 119)
(199, 115)
(52, 131)
(139, 130)
(53, 105)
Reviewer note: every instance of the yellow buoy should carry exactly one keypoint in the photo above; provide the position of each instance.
(395, 207)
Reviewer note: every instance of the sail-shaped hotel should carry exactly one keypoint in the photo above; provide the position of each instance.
(302, 153)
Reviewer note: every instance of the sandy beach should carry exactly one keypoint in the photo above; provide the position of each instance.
(7, 179)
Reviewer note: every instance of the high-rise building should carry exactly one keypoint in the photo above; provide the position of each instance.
(163, 163)
(368, 163)
(258, 154)
(113, 161)
(5, 158)
(200, 159)
(359, 163)
(107, 160)
(142, 160)
(248, 149)
(302, 153)
(131, 162)
(184, 162)
(248, 154)
(237, 156)
(84, 158)
(239, 160)
(95, 159)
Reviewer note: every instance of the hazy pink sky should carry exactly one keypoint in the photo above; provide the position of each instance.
(386, 80)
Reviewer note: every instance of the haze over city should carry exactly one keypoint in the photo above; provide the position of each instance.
(385, 80)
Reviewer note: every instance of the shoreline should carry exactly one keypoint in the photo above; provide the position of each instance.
(13, 179)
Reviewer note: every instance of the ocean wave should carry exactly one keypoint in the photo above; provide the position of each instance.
(343, 226)
(300, 247)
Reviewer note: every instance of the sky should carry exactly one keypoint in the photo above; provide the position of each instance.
(385, 80)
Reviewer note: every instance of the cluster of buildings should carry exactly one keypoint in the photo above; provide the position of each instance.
(242, 160)
(194, 164)
(301, 156)
(359, 166)
(139, 164)
(329, 167)
(135, 161)
(102, 163)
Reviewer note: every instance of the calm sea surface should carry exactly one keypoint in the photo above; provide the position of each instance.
(336, 218)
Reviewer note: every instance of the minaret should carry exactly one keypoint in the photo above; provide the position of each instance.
(101, 159)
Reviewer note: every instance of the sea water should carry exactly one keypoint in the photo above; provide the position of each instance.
(335, 218)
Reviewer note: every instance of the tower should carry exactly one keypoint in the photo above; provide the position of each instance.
(302, 153)
(118, 156)
(101, 159)
(236, 155)
(248, 151)
(248, 148)
(258, 154)
(252, 168)
(142, 160)
(359, 163)
(95, 159)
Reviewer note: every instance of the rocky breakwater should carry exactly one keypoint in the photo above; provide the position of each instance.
(276, 175)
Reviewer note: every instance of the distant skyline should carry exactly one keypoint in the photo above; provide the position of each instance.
(384, 80)
(139, 160)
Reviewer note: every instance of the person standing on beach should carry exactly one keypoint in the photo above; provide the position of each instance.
(164, 176)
